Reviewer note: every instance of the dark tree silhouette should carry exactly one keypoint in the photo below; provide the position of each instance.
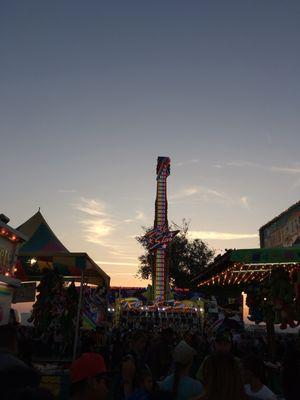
(187, 258)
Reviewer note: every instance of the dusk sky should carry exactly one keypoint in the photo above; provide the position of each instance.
(91, 92)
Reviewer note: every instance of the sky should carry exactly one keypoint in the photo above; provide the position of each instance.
(92, 92)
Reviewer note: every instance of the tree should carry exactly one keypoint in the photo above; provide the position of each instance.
(187, 259)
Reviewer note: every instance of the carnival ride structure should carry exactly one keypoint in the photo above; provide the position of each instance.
(158, 239)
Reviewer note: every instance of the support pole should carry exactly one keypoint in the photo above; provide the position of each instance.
(77, 327)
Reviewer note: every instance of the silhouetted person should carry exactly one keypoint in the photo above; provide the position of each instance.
(14, 373)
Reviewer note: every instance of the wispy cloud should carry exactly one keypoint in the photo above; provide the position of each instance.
(98, 224)
(139, 216)
(96, 230)
(117, 263)
(297, 184)
(287, 170)
(212, 235)
(121, 274)
(192, 161)
(243, 164)
(67, 191)
(122, 252)
(186, 192)
(293, 170)
(208, 194)
(123, 256)
(91, 207)
(244, 201)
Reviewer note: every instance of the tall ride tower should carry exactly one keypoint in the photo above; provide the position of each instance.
(160, 236)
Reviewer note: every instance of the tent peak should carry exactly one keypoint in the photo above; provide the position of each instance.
(40, 235)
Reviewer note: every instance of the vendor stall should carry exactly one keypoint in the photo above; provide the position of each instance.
(70, 287)
(10, 242)
(241, 267)
(270, 278)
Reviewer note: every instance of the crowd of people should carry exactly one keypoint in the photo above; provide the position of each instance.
(159, 364)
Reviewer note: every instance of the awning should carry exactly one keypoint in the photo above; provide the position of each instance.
(69, 265)
(280, 255)
(238, 267)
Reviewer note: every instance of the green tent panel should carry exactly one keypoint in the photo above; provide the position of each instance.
(282, 255)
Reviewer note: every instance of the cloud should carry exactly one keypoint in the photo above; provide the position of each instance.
(123, 254)
(91, 207)
(243, 164)
(128, 220)
(121, 273)
(287, 170)
(98, 224)
(186, 192)
(208, 194)
(188, 162)
(67, 191)
(140, 216)
(117, 263)
(297, 184)
(212, 235)
(244, 201)
(97, 229)
(272, 168)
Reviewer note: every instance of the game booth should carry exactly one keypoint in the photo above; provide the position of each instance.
(132, 313)
(68, 297)
(269, 279)
(71, 297)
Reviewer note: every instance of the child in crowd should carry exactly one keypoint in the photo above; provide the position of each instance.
(144, 386)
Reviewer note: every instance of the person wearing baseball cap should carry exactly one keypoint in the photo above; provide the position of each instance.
(88, 375)
(223, 342)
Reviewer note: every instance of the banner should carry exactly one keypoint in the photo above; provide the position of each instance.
(94, 308)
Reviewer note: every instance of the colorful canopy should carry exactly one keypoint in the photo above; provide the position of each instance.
(70, 266)
(44, 250)
(41, 238)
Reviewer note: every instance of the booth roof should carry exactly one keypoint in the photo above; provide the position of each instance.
(40, 235)
(243, 265)
(44, 250)
(69, 265)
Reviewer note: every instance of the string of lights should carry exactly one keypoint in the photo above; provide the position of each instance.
(238, 274)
